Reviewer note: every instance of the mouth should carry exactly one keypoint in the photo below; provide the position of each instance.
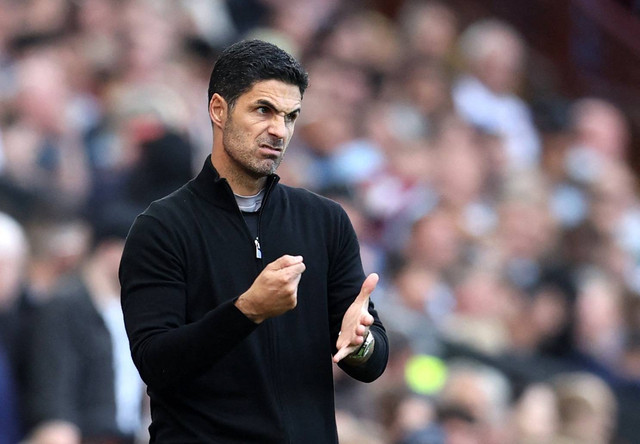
(270, 150)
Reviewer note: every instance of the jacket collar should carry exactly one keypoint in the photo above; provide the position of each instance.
(215, 189)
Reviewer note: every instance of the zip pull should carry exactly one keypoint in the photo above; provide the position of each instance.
(258, 250)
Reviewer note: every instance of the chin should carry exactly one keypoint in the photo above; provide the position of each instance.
(271, 168)
(261, 172)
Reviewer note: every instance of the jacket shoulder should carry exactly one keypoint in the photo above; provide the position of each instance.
(173, 202)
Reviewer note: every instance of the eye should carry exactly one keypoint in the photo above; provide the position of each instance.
(262, 110)
(290, 118)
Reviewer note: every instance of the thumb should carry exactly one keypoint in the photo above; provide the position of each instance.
(368, 286)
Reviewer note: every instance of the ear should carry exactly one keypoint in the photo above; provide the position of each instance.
(218, 110)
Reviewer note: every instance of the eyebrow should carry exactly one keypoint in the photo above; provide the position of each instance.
(264, 102)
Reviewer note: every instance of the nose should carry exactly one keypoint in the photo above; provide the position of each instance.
(278, 127)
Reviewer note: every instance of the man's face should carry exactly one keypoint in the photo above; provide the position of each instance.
(260, 125)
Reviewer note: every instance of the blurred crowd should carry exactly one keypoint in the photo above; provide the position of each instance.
(507, 236)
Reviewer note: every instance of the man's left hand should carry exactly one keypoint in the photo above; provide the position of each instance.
(356, 321)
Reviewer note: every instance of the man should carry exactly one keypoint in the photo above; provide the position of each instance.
(81, 385)
(237, 289)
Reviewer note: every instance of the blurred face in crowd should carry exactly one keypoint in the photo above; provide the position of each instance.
(460, 174)
(496, 55)
(432, 29)
(482, 293)
(599, 317)
(365, 40)
(428, 88)
(414, 284)
(527, 230)
(435, 240)
(587, 407)
(501, 69)
(43, 91)
(600, 126)
(259, 126)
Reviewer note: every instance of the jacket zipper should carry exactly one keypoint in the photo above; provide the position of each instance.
(270, 329)
(258, 250)
(276, 380)
(256, 241)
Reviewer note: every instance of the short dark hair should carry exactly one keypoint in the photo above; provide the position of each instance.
(247, 62)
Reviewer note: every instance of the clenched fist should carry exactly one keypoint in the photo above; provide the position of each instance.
(275, 290)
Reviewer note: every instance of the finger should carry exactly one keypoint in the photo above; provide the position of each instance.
(367, 320)
(368, 286)
(285, 261)
(355, 340)
(293, 271)
(342, 353)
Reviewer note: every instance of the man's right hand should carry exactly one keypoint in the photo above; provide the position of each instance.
(275, 290)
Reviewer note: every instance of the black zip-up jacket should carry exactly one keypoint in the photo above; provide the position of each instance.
(213, 375)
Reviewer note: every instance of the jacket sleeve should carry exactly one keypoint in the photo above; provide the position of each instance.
(345, 280)
(165, 348)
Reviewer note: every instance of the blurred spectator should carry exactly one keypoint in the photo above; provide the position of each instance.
(431, 29)
(407, 416)
(462, 175)
(414, 304)
(81, 382)
(599, 323)
(586, 408)
(293, 24)
(536, 415)
(436, 241)
(331, 148)
(165, 164)
(352, 430)
(399, 191)
(526, 234)
(373, 256)
(547, 316)
(474, 404)
(615, 208)
(599, 130)
(43, 148)
(13, 259)
(483, 308)
(486, 95)
(364, 38)
(427, 85)
(598, 141)
(58, 246)
(417, 422)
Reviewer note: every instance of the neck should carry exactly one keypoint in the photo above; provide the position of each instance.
(243, 185)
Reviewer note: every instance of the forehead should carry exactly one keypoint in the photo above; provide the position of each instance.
(285, 96)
